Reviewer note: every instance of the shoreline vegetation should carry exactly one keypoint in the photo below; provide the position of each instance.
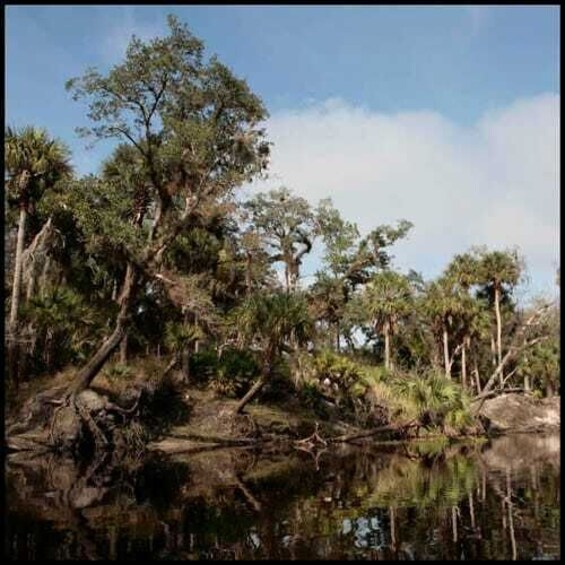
(149, 307)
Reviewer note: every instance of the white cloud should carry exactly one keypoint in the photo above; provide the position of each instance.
(495, 182)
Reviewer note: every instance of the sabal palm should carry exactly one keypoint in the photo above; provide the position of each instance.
(443, 304)
(464, 270)
(388, 298)
(34, 162)
(271, 321)
(499, 268)
(328, 297)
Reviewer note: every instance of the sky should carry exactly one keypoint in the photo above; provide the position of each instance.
(444, 116)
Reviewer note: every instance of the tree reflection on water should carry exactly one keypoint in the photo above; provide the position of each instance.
(413, 501)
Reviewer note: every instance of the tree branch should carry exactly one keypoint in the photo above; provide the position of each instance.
(514, 349)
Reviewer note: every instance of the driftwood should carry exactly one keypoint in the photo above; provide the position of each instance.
(382, 429)
(311, 441)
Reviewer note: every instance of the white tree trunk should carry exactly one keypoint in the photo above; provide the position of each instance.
(447, 364)
(386, 330)
(498, 330)
(16, 287)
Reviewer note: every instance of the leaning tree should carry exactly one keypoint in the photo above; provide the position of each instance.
(195, 130)
(271, 322)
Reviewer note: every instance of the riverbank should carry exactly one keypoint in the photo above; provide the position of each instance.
(146, 408)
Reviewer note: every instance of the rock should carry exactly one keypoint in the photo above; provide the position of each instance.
(520, 413)
(92, 401)
(522, 451)
(67, 428)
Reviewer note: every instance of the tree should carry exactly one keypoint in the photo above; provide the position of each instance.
(387, 299)
(340, 239)
(499, 271)
(463, 271)
(270, 322)
(194, 126)
(328, 297)
(288, 225)
(444, 304)
(332, 289)
(34, 163)
(372, 254)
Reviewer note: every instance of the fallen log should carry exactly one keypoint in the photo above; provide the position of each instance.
(382, 429)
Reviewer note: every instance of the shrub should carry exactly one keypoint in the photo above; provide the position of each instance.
(229, 374)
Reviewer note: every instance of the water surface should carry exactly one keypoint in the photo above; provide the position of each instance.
(421, 500)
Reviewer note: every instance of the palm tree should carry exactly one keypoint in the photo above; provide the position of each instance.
(464, 272)
(328, 298)
(388, 298)
(34, 162)
(499, 271)
(270, 322)
(444, 304)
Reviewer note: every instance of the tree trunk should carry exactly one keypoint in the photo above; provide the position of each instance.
(248, 283)
(498, 329)
(446, 362)
(43, 281)
(337, 344)
(254, 390)
(97, 361)
(392, 528)
(386, 330)
(477, 377)
(13, 348)
(287, 277)
(493, 350)
(186, 363)
(124, 348)
(464, 362)
(16, 286)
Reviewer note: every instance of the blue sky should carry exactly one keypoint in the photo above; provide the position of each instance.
(478, 85)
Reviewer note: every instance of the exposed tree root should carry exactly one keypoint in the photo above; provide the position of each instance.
(63, 423)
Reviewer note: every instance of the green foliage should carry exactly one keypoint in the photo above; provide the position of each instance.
(434, 400)
(371, 395)
(540, 363)
(33, 162)
(229, 374)
(388, 298)
(272, 321)
(163, 204)
(64, 329)
(287, 224)
(339, 237)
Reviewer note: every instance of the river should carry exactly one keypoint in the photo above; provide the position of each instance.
(420, 500)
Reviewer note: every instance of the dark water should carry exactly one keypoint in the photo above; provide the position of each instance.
(414, 501)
